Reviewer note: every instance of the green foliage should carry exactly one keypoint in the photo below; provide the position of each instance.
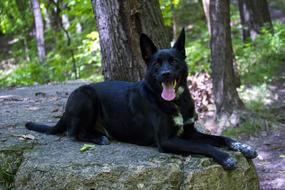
(58, 64)
(189, 14)
(83, 50)
(259, 61)
(88, 56)
(198, 54)
(25, 74)
(167, 7)
(246, 128)
(251, 124)
(9, 164)
(16, 16)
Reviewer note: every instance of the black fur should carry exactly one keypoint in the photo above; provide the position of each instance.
(136, 112)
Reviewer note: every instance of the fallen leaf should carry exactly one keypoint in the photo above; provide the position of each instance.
(86, 147)
(27, 137)
(275, 148)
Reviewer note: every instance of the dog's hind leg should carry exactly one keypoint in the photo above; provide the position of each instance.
(220, 141)
(83, 129)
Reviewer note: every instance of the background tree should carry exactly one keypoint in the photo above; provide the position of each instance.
(254, 14)
(119, 24)
(39, 28)
(174, 20)
(206, 8)
(61, 21)
(226, 98)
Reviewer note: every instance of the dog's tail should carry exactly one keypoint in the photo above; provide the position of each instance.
(60, 127)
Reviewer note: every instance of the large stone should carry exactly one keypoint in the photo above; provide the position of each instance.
(58, 163)
(51, 162)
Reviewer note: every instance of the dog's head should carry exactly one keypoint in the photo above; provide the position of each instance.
(166, 68)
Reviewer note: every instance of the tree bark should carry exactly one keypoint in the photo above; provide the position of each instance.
(206, 8)
(174, 22)
(254, 15)
(39, 27)
(54, 13)
(263, 13)
(224, 88)
(120, 24)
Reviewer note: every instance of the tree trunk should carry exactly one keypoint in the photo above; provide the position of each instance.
(39, 27)
(26, 49)
(224, 88)
(174, 22)
(206, 8)
(120, 24)
(263, 13)
(254, 14)
(54, 10)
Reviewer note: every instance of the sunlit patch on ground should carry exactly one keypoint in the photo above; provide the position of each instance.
(257, 96)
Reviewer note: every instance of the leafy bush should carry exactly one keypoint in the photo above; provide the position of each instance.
(88, 57)
(198, 54)
(258, 61)
(59, 63)
(25, 74)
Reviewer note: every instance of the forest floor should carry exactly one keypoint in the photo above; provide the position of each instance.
(270, 142)
(270, 163)
(270, 145)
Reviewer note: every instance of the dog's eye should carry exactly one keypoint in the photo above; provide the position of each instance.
(158, 61)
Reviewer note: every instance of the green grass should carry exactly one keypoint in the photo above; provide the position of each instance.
(246, 128)
(9, 164)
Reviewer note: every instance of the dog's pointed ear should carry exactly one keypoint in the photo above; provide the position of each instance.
(180, 43)
(147, 47)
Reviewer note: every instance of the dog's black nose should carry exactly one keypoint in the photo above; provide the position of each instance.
(165, 74)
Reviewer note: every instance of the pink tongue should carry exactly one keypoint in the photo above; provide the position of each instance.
(168, 92)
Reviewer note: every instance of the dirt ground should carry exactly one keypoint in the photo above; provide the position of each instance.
(270, 163)
(270, 145)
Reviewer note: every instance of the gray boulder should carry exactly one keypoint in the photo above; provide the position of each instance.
(29, 160)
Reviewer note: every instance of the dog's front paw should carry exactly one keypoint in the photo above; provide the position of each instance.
(245, 149)
(248, 151)
(229, 163)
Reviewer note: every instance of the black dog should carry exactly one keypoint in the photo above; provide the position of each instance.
(156, 111)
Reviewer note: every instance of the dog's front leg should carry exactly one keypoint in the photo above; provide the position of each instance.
(174, 145)
(221, 141)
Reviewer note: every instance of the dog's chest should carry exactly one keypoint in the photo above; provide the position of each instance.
(178, 122)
